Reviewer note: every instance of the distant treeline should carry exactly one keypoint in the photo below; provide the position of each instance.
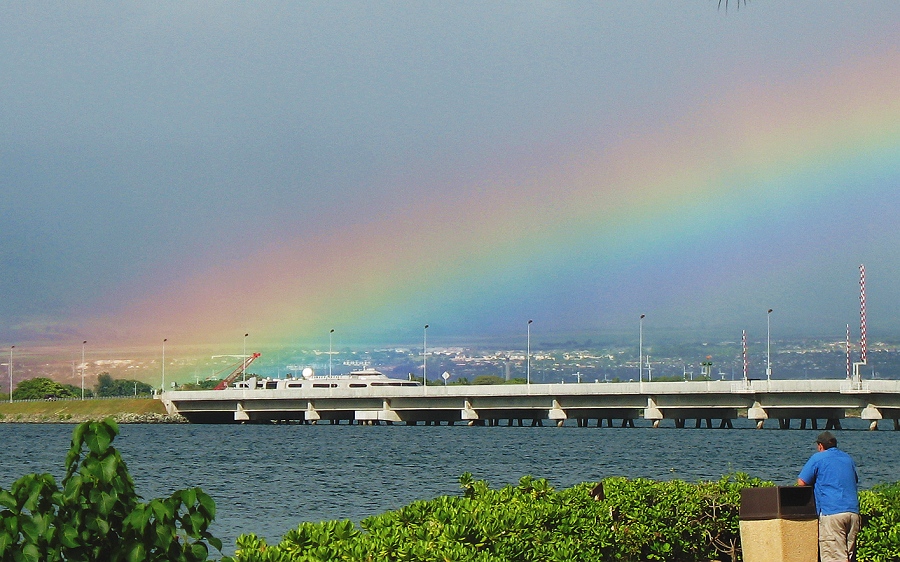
(42, 388)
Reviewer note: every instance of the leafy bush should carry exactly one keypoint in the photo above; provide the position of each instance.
(97, 515)
(879, 537)
(634, 520)
(619, 519)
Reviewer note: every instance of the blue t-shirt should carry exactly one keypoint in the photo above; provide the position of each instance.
(832, 473)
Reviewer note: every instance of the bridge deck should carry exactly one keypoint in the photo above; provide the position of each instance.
(759, 400)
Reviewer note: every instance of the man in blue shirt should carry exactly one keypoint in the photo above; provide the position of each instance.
(832, 473)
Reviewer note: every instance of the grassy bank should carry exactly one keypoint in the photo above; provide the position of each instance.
(75, 411)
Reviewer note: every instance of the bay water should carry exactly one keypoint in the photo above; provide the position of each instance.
(266, 479)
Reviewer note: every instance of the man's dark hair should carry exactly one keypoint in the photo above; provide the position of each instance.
(827, 440)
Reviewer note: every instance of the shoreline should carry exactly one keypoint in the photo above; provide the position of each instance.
(122, 410)
(120, 418)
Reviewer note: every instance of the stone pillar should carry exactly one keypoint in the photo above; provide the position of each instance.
(871, 414)
(652, 411)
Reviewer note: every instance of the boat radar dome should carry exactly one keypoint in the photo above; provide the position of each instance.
(308, 373)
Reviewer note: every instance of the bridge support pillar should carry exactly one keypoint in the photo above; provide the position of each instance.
(872, 414)
(558, 414)
(652, 412)
(468, 412)
(311, 415)
(813, 423)
(758, 414)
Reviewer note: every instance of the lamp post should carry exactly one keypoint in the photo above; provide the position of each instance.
(424, 359)
(244, 364)
(163, 388)
(641, 348)
(528, 353)
(10, 372)
(768, 346)
(329, 351)
(82, 368)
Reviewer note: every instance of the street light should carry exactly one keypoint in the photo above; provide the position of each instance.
(329, 351)
(163, 388)
(424, 359)
(768, 346)
(82, 368)
(641, 348)
(10, 372)
(528, 353)
(244, 364)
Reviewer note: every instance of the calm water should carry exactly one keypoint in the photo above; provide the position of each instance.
(267, 479)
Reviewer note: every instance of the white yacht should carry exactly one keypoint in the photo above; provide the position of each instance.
(364, 378)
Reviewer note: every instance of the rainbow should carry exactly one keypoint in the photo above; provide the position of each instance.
(705, 208)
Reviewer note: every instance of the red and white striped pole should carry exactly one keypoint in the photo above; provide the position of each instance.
(848, 351)
(863, 347)
(744, 342)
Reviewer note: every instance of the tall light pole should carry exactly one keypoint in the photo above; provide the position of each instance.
(424, 358)
(82, 368)
(329, 351)
(244, 364)
(11, 348)
(641, 348)
(768, 346)
(163, 388)
(528, 353)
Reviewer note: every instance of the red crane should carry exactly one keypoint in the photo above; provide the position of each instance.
(241, 367)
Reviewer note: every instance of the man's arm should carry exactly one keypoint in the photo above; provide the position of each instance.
(808, 475)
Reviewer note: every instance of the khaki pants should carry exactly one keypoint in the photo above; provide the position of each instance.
(837, 537)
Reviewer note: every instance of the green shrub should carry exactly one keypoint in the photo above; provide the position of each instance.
(631, 520)
(879, 537)
(634, 520)
(97, 515)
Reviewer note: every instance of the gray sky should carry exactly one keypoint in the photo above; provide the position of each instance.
(154, 154)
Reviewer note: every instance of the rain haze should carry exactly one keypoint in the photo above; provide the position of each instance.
(197, 171)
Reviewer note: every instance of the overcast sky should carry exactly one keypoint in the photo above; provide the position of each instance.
(156, 154)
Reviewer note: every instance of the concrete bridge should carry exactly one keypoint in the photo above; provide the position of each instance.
(775, 403)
